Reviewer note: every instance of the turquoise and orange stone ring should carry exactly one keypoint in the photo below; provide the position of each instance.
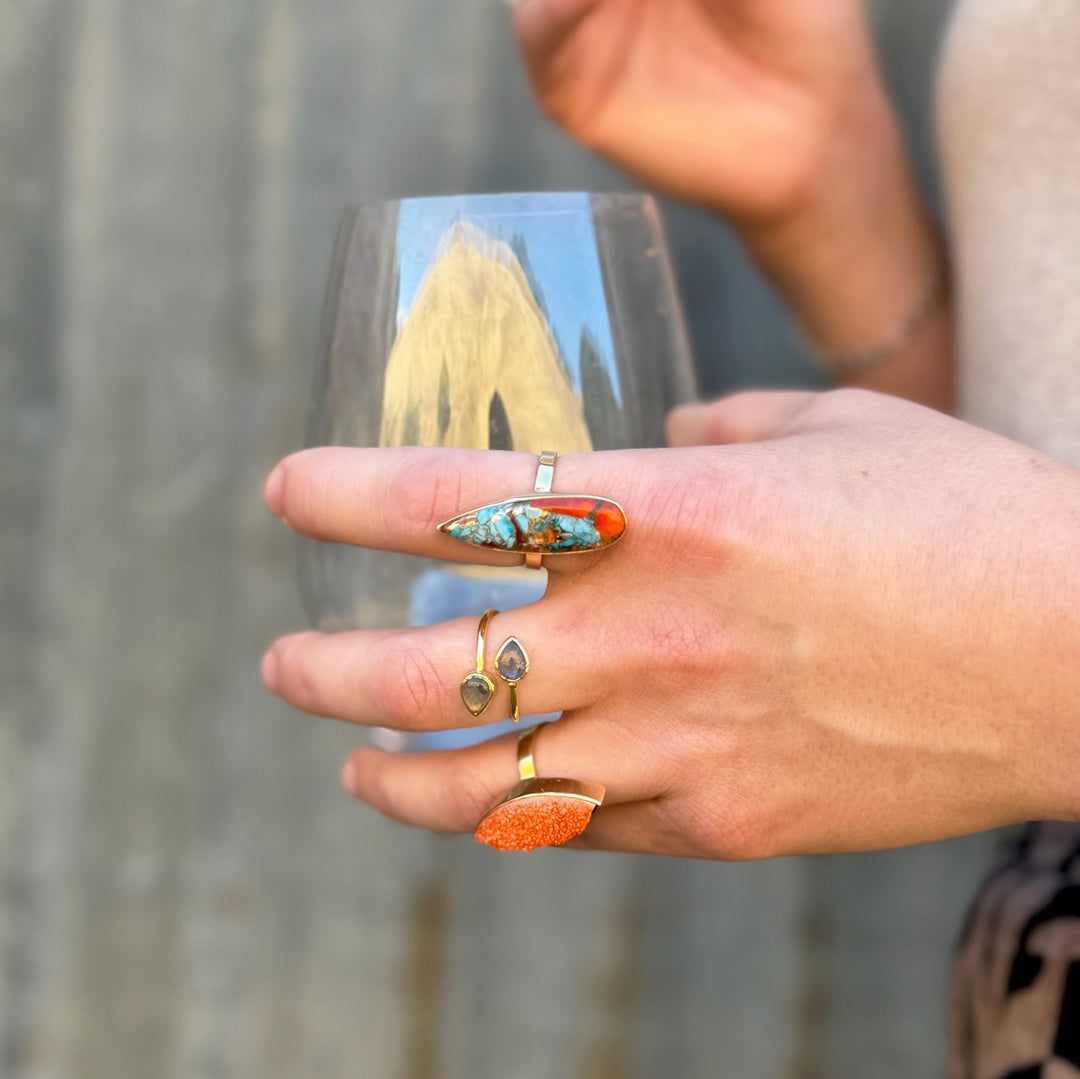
(541, 523)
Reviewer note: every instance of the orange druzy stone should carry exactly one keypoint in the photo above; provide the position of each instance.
(528, 823)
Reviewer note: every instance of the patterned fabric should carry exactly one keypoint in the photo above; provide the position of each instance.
(1014, 1011)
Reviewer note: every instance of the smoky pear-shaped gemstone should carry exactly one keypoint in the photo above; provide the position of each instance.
(476, 692)
(511, 661)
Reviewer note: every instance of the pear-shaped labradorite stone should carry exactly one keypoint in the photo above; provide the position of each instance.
(511, 662)
(476, 692)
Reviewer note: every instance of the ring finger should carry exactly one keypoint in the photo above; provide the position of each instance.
(451, 790)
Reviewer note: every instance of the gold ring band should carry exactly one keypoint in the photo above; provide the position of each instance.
(477, 689)
(538, 812)
(545, 476)
(481, 630)
(526, 764)
(511, 665)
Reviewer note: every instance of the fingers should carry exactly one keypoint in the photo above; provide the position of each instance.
(742, 417)
(452, 790)
(394, 498)
(543, 25)
(409, 679)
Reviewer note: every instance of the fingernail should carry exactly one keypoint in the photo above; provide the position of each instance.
(350, 778)
(686, 425)
(269, 670)
(274, 492)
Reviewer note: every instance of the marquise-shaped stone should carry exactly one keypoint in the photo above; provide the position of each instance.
(541, 524)
(476, 692)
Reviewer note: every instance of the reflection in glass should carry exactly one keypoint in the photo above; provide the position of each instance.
(475, 361)
(525, 322)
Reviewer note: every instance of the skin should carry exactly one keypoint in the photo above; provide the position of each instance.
(855, 623)
(771, 113)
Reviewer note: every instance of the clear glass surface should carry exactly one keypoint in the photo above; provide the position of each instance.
(524, 322)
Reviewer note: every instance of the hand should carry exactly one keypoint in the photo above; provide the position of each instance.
(854, 623)
(747, 106)
(772, 113)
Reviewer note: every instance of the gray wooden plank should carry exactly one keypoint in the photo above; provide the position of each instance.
(151, 596)
(888, 923)
(719, 969)
(532, 947)
(35, 43)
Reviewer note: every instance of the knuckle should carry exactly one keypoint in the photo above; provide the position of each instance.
(411, 692)
(849, 398)
(718, 815)
(844, 405)
(681, 640)
(671, 643)
(423, 495)
(739, 837)
(579, 114)
(732, 418)
(711, 514)
(681, 511)
(728, 832)
(464, 800)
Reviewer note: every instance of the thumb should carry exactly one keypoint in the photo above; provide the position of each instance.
(755, 416)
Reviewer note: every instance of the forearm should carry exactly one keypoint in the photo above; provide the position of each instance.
(1045, 655)
(857, 254)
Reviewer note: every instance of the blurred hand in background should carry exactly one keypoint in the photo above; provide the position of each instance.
(746, 106)
(772, 113)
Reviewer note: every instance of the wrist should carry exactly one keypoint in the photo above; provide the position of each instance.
(1043, 690)
(854, 253)
(1061, 623)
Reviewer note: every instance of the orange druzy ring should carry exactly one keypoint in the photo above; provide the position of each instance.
(538, 812)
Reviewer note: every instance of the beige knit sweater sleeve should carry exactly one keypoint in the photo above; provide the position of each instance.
(1009, 126)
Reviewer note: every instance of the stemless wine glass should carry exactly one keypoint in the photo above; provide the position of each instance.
(522, 321)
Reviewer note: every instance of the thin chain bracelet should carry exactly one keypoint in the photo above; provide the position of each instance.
(856, 361)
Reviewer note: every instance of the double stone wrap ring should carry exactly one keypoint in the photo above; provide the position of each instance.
(511, 665)
(536, 812)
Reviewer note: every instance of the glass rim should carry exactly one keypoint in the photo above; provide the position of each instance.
(645, 197)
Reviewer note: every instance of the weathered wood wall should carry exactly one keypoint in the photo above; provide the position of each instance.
(184, 892)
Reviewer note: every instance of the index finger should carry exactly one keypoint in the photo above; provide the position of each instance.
(394, 498)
